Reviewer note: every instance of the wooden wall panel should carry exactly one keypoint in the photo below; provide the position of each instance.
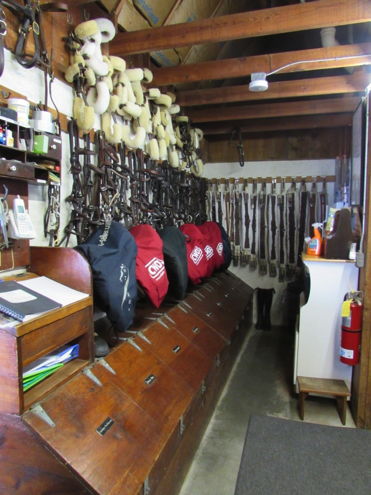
(361, 397)
(288, 145)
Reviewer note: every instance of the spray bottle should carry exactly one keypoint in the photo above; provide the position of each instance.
(315, 244)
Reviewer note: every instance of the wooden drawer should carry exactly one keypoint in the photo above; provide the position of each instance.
(119, 458)
(178, 353)
(197, 331)
(155, 387)
(213, 312)
(16, 170)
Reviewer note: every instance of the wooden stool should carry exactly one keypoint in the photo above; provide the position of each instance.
(324, 386)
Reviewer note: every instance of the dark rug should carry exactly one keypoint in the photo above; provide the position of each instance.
(290, 457)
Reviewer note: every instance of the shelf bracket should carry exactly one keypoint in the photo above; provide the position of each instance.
(104, 363)
(39, 412)
(93, 378)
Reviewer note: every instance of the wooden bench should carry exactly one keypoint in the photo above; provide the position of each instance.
(324, 386)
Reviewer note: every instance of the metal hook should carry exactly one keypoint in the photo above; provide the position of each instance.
(5, 195)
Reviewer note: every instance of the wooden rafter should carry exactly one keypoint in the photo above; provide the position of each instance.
(304, 16)
(357, 82)
(337, 56)
(312, 107)
(279, 124)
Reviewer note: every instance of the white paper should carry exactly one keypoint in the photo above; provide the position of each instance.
(17, 296)
(58, 292)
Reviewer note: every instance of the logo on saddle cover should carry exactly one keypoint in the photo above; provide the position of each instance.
(219, 249)
(156, 268)
(196, 255)
(209, 252)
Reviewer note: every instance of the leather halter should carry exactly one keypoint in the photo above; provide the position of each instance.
(3, 30)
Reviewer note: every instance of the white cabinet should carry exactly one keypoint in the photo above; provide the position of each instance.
(319, 330)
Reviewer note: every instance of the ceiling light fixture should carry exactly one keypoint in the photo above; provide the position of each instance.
(258, 82)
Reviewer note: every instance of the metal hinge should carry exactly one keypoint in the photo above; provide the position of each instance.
(146, 488)
(181, 426)
(203, 387)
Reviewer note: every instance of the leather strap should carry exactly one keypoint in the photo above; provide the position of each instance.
(272, 210)
(213, 207)
(27, 16)
(246, 257)
(227, 211)
(304, 195)
(232, 222)
(253, 203)
(3, 31)
(237, 247)
(312, 208)
(292, 230)
(323, 202)
(262, 198)
(54, 7)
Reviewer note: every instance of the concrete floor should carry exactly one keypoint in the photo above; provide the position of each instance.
(261, 383)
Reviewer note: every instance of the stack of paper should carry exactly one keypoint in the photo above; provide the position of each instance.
(61, 293)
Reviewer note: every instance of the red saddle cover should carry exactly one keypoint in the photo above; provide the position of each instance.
(216, 242)
(196, 259)
(150, 265)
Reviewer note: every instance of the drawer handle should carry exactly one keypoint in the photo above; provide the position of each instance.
(53, 147)
(13, 168)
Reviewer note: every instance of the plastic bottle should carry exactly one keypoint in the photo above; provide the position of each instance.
(315, 244)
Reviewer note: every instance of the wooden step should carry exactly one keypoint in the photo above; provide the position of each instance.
(324, 386)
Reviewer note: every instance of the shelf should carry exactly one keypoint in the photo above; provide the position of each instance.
(308, 257)
(32, 173)
(54, 381)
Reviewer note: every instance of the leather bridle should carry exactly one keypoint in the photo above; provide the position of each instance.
(27, 15)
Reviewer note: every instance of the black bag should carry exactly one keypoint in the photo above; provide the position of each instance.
(175, 257)
(111, 252)
(227, 250)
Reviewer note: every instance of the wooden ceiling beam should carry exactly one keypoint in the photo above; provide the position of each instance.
(357, 82)
(245, 66)
(278, 124)
(300, 17)
(311, 107)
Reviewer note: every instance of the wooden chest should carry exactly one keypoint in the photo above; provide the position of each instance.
(130, 423)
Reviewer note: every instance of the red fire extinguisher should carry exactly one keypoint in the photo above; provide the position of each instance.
(351, 330)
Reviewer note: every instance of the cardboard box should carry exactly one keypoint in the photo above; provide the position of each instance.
(130, 19)
(109, 5)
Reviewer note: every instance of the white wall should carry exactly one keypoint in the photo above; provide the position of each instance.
(296, 168)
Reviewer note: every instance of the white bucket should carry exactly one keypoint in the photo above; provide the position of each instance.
(22, 107)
